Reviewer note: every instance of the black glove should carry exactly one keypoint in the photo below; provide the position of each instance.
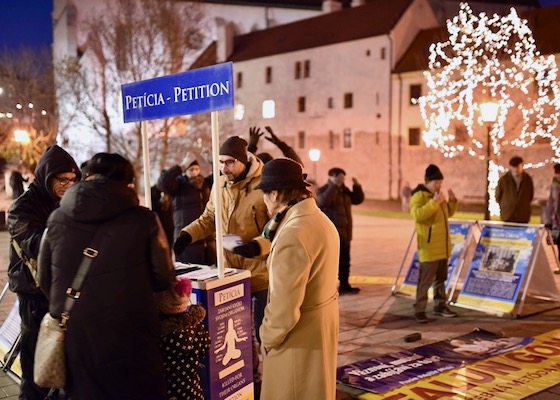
(248, 250)
(273, 138)
(254, 136)
(182, 242)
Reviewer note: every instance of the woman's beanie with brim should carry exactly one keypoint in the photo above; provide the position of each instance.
(282, 173)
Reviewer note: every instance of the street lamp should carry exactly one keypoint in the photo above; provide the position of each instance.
(489, 114)
(21, 136)
(314, 156)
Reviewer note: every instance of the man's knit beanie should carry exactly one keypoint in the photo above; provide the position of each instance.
(235, 147)
(433, 173)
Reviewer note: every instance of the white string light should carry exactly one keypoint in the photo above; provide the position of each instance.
(490, 58)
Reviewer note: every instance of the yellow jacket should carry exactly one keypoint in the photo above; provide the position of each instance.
(432, 226)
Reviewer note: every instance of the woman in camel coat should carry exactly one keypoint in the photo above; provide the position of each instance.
(299, 332)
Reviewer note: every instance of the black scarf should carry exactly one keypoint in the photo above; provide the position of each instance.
(271, 226)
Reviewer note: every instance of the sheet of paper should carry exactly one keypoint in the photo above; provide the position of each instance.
(232, 241)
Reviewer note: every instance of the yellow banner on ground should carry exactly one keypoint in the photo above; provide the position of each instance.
(513, 375)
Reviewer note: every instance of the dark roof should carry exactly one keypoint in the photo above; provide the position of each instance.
(376, 18)
(543, 22)
(206, 58)
(298, 4)
(317, 4)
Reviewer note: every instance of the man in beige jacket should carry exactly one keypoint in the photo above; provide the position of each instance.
(243, 213)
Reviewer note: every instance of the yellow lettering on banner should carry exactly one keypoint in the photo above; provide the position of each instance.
(497, 368)
(508, 376)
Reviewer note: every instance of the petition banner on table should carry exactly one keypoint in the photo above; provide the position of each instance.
(394, 370)
(498, 267)
(458, 232)
(508, 376)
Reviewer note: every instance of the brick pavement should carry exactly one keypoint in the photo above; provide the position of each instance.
(373, 322)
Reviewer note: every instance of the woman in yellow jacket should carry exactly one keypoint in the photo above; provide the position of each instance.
(431, 210)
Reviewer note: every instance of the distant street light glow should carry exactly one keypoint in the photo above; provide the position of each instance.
(21, 136)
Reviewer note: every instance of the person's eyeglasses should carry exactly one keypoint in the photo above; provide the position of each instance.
(65, 181)
(228, 163)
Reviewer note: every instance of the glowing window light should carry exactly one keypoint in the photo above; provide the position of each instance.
(239, 112)
(268, 109)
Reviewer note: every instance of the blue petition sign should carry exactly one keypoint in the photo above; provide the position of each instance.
(197, 91)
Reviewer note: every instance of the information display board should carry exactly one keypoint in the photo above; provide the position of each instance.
(227, 372)
(509, 264)
(498, 268)
(459, 231)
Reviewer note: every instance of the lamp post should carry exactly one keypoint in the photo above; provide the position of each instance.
(314, 156)
(21, 137)
(489, 114)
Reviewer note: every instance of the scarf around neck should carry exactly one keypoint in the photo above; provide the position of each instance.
(271, 226)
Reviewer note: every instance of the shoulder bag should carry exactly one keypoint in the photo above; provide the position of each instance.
(49, 369)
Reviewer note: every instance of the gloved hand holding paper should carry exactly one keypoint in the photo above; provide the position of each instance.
(232, 241)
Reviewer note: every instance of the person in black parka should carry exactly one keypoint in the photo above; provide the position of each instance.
(189, 193)
(16, 182)
(112, 337)
(27, 219)
(336, 200)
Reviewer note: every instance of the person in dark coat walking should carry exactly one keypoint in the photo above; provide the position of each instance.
(189, 192)
(27, 219)
(515, 192)
(336, 199)
(16, 182)
(112, 338)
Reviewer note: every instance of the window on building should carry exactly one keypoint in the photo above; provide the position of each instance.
(368, 53)
(383, 53)
(306, 69)
(461, 135)
(347, 143)
(239, 80)
(377, 98)
(239, 112)
(268, 109)
(301, 139)
(268, 78)
(301, 104)
(414, 136)
(330, 102)
(297, 71)
(415, 93)
(331, 140)
(348, 100)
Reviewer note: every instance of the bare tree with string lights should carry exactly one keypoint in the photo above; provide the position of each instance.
(491, 63)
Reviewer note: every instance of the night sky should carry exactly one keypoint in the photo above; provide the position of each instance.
(27, 23)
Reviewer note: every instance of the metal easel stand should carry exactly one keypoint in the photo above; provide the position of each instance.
(394, 287)
(13, 352)
(553, 246)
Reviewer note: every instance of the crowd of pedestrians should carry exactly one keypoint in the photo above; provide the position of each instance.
(133, 313)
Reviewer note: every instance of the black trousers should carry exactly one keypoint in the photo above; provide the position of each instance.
(344, 263)
(32, 308)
